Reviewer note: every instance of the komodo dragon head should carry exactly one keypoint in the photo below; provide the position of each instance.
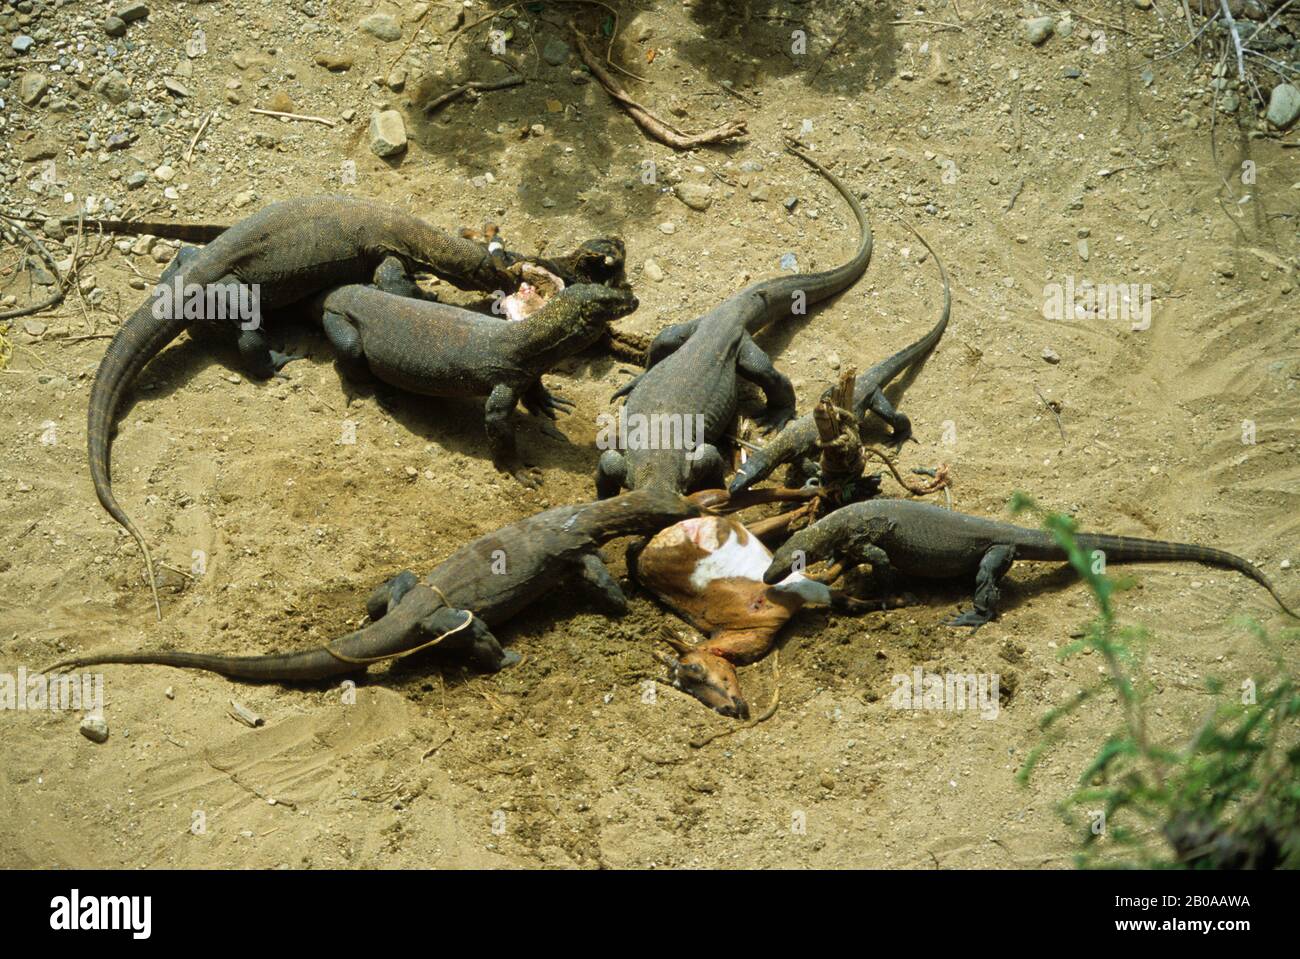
(602, 260)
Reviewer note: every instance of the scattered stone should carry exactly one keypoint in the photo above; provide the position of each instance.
(1039, 30)
(653, 271)
(1142, 4)
(175, 87)
(115, 26)
(22, 43)
(34, 327)
(387, 133)
(1286, 564)
(790, 203)
(119, 141)
(579, 77)
(697, 196)
(32, 87)
(537, 129)
(164, 173)
(789, 262)
(1051, 355)
(1082, 248)
(95, 728)
(113, 87)
(827, 781)
(668, 228)
(1071, 73)
(1283, 105)
(280, 102)
(136, 179)
(337, 62)
(761, 193)
(169, 693)
(382, 26)
(129, 13)
(555, 52)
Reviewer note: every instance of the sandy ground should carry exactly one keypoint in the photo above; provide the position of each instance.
(561, 761)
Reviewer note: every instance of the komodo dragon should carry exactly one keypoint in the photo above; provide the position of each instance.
(439, 350)
(798, 440)
(693, 366)
(284, 252)
(480, 586)
(600, 260)
(931, 542)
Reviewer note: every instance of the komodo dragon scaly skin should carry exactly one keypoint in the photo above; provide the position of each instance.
(482, 585)
(693, 366)
(600, 260)
(798, 440)
(919, 539)
(439, 350)
(286, 251)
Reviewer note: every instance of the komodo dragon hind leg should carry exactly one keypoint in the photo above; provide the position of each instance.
(391, 277)
(993, 566)
(600, 586)
(707, 468)
(611, 474)
(388, 595)
(756, 366)
(898, 422)
(484, 648)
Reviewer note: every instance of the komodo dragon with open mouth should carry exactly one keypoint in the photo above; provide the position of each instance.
(798, 440)
(287, 251)
(919, 539)
(693, 366)
(480, 586)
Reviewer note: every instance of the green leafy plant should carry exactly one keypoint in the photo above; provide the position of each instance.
(1224, 796)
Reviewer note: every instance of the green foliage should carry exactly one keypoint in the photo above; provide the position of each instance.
(1226, 796)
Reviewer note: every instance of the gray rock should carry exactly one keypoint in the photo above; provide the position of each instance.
(22, 43)
(1051, 355)
(115, 26)
(119, 141)
(697, 196)
(113, 87)
(136, 179)
(1039, 30)
(94, 728)
(32, 87)
(1284, 105)
(555, 52)
(653, 271)
(387, 133)
(382, 26)
(175, 87)
(790, 203)
(130, 12)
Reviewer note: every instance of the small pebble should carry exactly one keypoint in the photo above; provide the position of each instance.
(95, 728)
(1051, 355)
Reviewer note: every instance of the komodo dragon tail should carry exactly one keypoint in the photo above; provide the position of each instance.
(187, 232)
(1130, 549)
(385, 638)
